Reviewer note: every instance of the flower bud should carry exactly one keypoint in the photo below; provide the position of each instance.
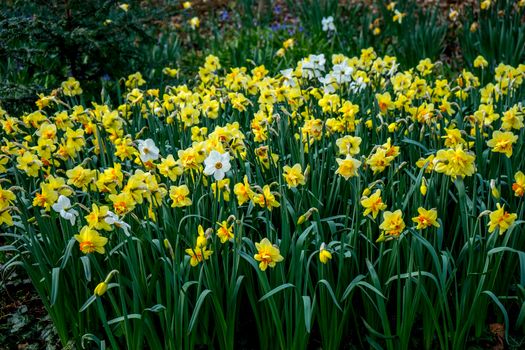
(101, 288)
(324, 254)
(494, 190)
(423, 188)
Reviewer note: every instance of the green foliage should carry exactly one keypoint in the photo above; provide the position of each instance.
(498, 34)
(43, 42)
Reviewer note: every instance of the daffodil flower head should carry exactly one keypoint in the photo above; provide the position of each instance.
(148, 151)
(217, 164)
(63, 207)
(267, 254)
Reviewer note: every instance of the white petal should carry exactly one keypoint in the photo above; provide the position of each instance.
(219, 174)
(225, 157)
(226, 167)
(210, 169)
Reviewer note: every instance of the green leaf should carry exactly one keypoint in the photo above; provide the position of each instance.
(123, 318)
(277, 290)
(87, 267)
(55, 280)
(156, 308)
(307, 305)
(198, 306)
(331, 291)
(88, 302)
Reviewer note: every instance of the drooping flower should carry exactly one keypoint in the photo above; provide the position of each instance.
(63, 207)
(217, 165)
(113, 219)
(324, 254)
(480, 62)
(267, 254)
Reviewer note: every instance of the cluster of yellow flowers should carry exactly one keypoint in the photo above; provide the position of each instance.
(63, 148)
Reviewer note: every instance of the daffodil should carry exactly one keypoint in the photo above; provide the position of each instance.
(71, 87)
(519, 184)
(324, 254)
(373, 204)
(148, 151)
(393, 223)
(198, 254)
(243, 191)
(266, 199)
(502, 142)
(501, 219)
(179, 196)
(348, 167)
(267, 254)
(91, 241)
(217, 165)
(63, 207)
(426, 218)
(455, 162)
(96, 218)
(293, 175)
(224, 232)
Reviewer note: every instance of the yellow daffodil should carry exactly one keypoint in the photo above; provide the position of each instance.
(502, 142)
(393, 223)
(519, 184)
(501, 219)
(224, 232)
(293, 175)
(348, 167)
(324, 254)
(267, 254)
(426, 218)
(90, 241)
(179, 196)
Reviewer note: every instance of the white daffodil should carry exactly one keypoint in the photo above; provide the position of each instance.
(313, 66)
(328, 24)
(217, 165)
(63, 207)
(288, 79)
(148, 151)
(113, 219)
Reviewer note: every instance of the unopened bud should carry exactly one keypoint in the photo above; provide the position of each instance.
(101, 288)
